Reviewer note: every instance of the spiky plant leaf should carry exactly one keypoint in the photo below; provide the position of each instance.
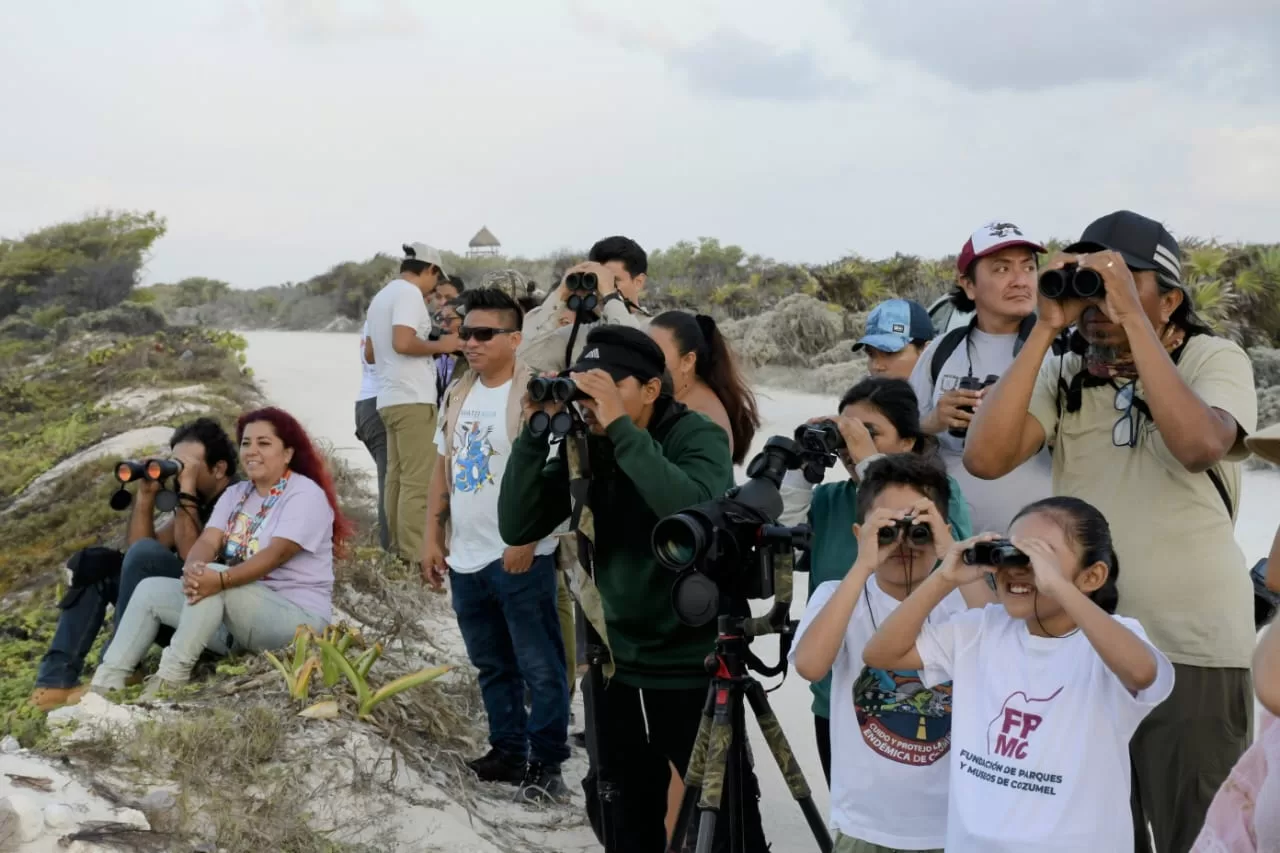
(401, 684)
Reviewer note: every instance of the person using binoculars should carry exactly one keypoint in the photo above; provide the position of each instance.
(997, 282)
(649, 457)
(504, 596)
(877, 416)
(603, 291)
(890, 736)
(1147, 412)
(205, 461)
(1048, 686)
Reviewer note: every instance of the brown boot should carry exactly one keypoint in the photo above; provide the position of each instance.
(49, 698)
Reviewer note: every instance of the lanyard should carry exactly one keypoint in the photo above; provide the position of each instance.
(236, 552)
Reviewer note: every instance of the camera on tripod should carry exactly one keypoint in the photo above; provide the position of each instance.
(728, 546)
(582, 288)
(553, 389)
(1071, 282)
(818, 445)
(156, 470)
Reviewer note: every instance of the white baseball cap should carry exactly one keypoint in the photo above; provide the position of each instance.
(426, 254)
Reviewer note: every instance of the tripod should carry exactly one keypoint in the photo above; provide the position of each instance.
(719, 756)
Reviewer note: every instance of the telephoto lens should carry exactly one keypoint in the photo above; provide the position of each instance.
(998, 553)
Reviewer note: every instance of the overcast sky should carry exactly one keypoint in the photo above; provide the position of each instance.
(282, 136)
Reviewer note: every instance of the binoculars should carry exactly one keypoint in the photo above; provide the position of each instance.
(1071, 282)
(583, 286)
(917, 533)
(998, 553)
(970, 383)
(554, 389)
(131, 470)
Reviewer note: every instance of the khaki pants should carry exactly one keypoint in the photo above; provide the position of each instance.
(846, 844)
(411, 457)
(564, 604)
(1183, 752)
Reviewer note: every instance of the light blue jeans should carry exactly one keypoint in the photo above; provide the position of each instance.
(251, 617)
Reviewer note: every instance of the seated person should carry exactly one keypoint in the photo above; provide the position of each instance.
(262, 567)
(877, 416)
(208, 467)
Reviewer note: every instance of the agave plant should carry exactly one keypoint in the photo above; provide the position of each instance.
(343, 638)
(299, 664)
(357, 675)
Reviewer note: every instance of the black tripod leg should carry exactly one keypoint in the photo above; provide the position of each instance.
(694, 776)
(791, 772)
(607, 793)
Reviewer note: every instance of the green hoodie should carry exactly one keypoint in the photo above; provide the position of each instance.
(835, 549)
(637, 479)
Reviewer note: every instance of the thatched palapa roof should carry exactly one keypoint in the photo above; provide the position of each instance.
(484, 239)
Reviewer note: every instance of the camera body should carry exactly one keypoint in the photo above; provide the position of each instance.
(818, 444)
(1071, 282)
(917, 533)
(583, 287)
(998, 553)
(971, 383)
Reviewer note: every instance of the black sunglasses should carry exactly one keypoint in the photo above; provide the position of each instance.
(483, 334)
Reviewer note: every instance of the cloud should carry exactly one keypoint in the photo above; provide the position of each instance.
(1229, 48)
(327, 21)
(730, 64)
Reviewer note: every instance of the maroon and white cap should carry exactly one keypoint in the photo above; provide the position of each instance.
(990, 238)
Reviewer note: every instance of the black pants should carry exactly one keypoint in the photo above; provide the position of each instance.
(638, 754)
(822, 729)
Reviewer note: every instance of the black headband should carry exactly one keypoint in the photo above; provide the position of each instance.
(618, 361)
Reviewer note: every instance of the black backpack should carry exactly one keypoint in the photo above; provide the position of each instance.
(952, 339)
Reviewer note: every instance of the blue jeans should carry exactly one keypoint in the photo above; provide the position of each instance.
(511, 627)
(80, 622)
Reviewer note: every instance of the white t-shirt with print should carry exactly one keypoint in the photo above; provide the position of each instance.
(890, 735)
(481, 447)
(402, 378)
(1040, 732)
(992, 503)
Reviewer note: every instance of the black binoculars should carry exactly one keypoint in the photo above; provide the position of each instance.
(1071, 282)
(917, 533)
(132, 470)
(970, 383)
(583, 287)
(998, 553)
(554, 389)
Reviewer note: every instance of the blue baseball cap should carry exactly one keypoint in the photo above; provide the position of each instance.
(895, 323)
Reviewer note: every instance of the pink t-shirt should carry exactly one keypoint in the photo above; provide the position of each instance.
(1245, 814)
(302, 515)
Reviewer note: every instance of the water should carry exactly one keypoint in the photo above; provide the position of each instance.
(315, 376)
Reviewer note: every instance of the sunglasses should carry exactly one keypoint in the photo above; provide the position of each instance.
(483, 334)
(1125, 431)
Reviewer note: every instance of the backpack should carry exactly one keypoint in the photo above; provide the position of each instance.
(952, 339)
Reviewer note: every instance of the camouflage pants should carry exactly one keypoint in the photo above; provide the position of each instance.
(846, 844)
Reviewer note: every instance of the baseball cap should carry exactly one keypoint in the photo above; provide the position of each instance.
(510, 282)
(426, 254)
(895, 323)
(991, 238)
(621, 351)
(1143, 243)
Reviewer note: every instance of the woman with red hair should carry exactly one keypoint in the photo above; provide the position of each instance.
(262, 567)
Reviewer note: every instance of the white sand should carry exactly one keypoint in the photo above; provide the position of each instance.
(316, 375)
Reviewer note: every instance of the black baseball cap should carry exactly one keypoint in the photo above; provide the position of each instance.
(621, 351)
(1143, 243)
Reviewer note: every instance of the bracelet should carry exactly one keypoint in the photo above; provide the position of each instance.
(222, 579)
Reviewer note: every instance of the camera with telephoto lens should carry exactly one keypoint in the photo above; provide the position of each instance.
(582, 287)
(917, 533)
(727, 546)
(970, 383)
(998, 553)
(1071, 282)
(818, 444)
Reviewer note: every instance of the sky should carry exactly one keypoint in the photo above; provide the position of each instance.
(280, 137)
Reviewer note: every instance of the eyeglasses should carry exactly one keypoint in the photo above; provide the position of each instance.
(483, 334)
(1125, 431)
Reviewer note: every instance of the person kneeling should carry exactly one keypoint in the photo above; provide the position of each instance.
(890, 735)
(275, 536)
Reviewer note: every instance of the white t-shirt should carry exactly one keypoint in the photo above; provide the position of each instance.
(368, 373)
(992, 503)
(401, 378)
(481, 448)
(1041, 730)
(890, 736)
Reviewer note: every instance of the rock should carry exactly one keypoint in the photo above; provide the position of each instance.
(134, 818)
(187, 355)
(10, 745)
(10, 827)
(157, 801)
(26, 822)
(126, 320)
(59, 816)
